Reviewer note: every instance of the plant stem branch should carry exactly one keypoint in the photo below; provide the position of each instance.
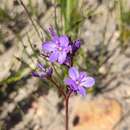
(35, 27)
(66, 110)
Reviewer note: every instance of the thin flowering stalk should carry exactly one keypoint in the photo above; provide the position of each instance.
(33, 49)
(61, 49)
(25, 49)
(66, 110)
(21, 2)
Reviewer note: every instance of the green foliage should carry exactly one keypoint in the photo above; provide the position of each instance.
(16, 77)
(72, 16)
(126, 17)
(4, 16)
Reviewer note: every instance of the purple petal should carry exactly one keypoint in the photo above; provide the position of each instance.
(68, 61)
(68, 81)
(41, 66)
(75, 46)
(42, 74)
(73, 73)
(52, 32)
(77, 43)
(71, 83)
(62, 57)
(64, 41)
(55, 40)
(83, 76)
(68, 49)
(49, 46)
(82, 91)
(53, 57)
(39, 74)
(35, 74)
(49, 72)
(89, 82)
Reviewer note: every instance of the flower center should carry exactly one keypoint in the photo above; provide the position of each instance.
(77, 82)
(60, 48)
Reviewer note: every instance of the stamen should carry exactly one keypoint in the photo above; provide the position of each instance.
(77, 82)
(60, 49)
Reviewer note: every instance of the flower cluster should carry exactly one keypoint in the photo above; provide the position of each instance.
(61, 49)
(57, 48)
(42, 71)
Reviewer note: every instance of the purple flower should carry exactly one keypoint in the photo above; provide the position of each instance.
(69, 59)
(52, 32)
(57, 47)
(75, 46)
(42, 72)
(78, 81)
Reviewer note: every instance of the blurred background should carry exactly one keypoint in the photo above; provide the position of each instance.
(103, 26)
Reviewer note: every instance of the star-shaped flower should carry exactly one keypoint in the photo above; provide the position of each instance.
(78, 81)
(57, 47)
